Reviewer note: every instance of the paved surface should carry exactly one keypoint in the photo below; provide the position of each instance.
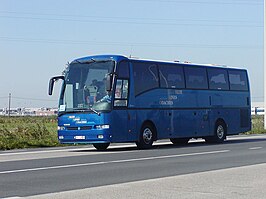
(236, 183)
(235, 169)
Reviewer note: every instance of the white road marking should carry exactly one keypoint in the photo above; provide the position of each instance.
(255, 148)
(114, 161)
(48, 151)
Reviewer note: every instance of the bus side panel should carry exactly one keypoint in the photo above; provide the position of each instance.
(175, 123)
(182, 124)
(124, 125)
(190, 113)
(237, 120)
(157, 118)
(174, 113)
(240, 114)
(119, 125)
(233, 108)
(228, 116)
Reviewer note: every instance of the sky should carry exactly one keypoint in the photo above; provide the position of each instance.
(39, 37)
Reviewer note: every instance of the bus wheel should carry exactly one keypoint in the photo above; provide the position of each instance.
(219, 133)
(179, 141)
(146, 137)
(101, 146)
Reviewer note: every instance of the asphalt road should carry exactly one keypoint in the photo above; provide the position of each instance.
(235, 169)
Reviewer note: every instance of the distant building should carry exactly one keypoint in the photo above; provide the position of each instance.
(257, 108)
(46, 112)
(28, 111)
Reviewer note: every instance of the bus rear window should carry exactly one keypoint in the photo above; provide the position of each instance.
(238, 80)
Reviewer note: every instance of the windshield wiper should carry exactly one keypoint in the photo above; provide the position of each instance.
(84, 110)
(80, 110)
(94, 111)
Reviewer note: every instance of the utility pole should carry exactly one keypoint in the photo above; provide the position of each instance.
(264, 57)
(9, 104)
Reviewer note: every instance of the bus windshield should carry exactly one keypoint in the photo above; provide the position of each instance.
(84, 88)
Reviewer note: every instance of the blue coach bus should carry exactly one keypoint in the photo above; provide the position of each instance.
(114, 98)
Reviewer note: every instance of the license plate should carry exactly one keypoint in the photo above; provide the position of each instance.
(79, 137)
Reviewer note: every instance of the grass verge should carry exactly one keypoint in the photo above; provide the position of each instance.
(28, 132)
(257, 125)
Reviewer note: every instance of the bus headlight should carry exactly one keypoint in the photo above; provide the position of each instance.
(104, 126)
(100, 136)
(61, 128)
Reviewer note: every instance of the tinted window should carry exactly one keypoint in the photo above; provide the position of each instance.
(196, 78)
(123, 71)
(171, 76)
(218, 79)
(145, 76)
(238, 80)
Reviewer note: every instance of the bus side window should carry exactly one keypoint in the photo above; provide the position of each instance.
(171, 76)
(121, 93)
(145, 77)
(196, 78)
(121, 90)
(238, 80)
(123, 70)
(218, 79)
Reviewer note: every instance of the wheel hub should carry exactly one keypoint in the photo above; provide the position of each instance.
(220, 131)
(147, 135)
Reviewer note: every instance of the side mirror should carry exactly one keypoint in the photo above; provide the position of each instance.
(109, 81)
(51, 83)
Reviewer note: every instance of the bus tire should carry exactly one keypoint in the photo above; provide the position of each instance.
(147, 135)
(179, 141)
(219, 133)
(101, 146)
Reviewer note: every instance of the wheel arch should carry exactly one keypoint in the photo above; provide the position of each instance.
(215, 137)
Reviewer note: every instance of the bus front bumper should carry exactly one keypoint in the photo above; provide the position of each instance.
(84, 137)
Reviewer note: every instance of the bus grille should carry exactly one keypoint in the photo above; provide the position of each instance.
(79, 128)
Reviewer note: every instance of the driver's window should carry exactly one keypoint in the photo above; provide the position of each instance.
(121, 93)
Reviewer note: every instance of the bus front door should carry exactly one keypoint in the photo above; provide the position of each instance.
(123, 127)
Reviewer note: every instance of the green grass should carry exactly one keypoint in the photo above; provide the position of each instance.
(30, 132)
(27, 132)
(257, 125)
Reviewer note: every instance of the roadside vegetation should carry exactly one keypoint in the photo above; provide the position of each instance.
(30, 132)
(257, 125)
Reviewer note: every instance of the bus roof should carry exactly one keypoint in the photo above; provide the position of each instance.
(119, 58)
